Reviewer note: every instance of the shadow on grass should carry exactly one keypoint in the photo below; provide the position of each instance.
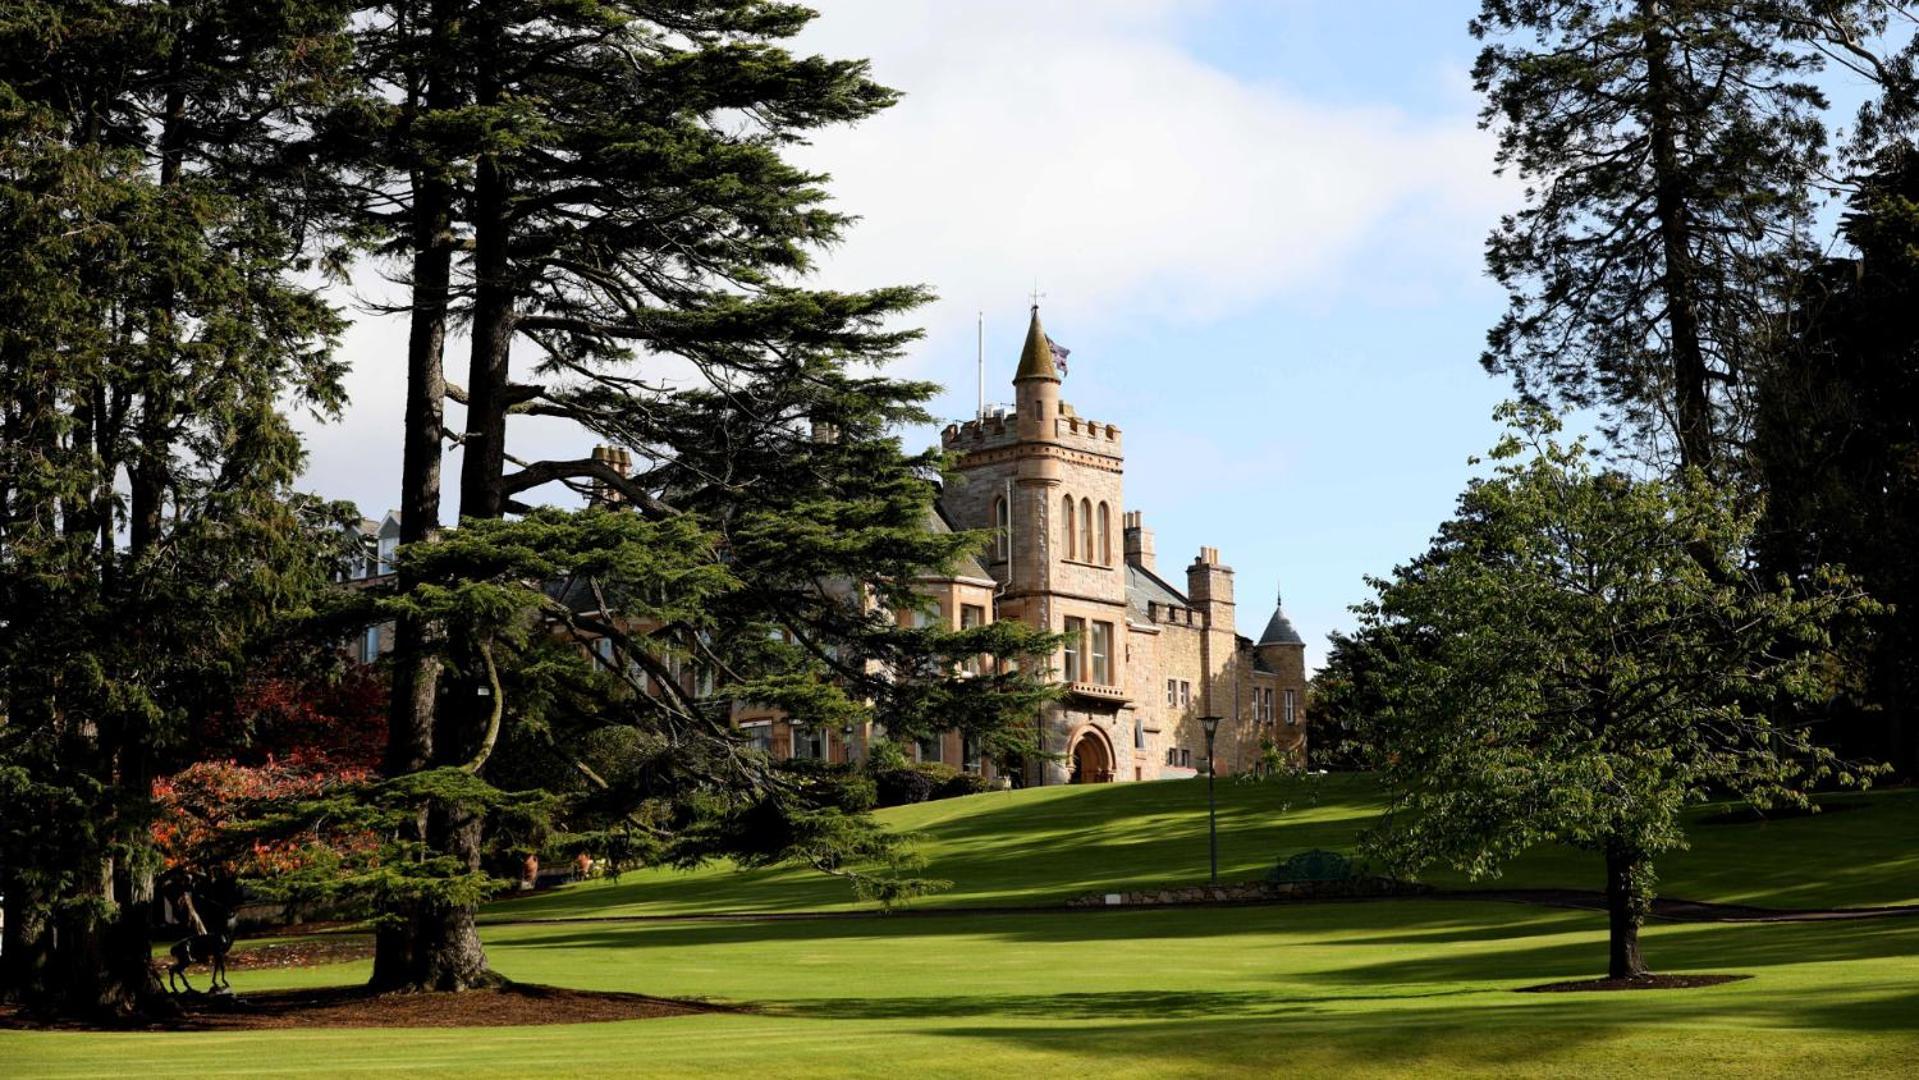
(1116, 1005)
(1705, 947)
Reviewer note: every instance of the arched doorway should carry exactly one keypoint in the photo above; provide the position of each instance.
(1092, 759)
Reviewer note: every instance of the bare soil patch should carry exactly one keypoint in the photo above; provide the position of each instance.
(513, 1005)
(1644, 982)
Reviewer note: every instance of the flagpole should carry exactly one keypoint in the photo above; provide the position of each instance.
(982, 366)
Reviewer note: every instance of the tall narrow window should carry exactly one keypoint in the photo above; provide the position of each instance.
(1002, 528)
(1070, 534)
(1105, 536)
(1075, 630)
(972, 616)
(1103, 653)
(1086, 529)
(1291, 706)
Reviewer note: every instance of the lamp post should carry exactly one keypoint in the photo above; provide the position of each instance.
(846, 742)
(1211, 724)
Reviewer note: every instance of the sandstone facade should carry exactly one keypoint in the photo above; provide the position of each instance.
(1148, 660)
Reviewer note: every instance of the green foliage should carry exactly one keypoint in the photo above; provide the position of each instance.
(1579, 656)
(1836, 449)
(151, 253)
(1668, 152)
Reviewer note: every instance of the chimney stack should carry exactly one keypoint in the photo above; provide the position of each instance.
(1139, 541)
(621, 460)
(1208, 582)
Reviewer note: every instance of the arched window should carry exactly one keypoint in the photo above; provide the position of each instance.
(1086, 550)
(1071, 534)
(1105, 536)
(1002, 528)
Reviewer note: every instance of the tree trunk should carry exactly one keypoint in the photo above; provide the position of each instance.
(1692, 399)
(449, 955)
(446, 953)
(416, 664)
(100, 962)
(25, 946)
(488, 373)
(1626, 903)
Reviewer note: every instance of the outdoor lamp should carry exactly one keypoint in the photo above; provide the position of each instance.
(1211, 726)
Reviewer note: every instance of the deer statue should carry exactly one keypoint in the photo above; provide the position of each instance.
(211, 940)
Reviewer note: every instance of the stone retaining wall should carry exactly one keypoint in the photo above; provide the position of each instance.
(1246, 892)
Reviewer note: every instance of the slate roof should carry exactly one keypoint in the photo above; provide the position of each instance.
(968, 567)
(1279, 629)
(1145, 587)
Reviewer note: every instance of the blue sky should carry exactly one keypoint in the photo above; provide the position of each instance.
(1257, 223)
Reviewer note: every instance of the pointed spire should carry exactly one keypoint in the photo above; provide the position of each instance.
(1036, 359)
(1279, 629)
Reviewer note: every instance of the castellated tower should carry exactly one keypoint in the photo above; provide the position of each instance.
(1050, 483)
(1144, 663)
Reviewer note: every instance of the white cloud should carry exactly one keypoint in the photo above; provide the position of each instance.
(1078, 145)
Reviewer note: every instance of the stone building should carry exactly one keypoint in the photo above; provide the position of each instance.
(1144, 661)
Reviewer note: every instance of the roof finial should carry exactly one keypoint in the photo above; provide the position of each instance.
(1037, 295)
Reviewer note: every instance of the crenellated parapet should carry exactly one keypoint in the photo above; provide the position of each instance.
(987, 433)
(1069, 431)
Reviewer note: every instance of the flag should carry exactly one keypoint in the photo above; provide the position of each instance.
(1060, 353)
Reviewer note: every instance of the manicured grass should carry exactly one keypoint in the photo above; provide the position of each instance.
(1402, 988)
(1046, 845)
(1414, 987)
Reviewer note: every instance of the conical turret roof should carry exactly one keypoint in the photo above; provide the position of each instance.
(1036, 359)
(1279, 629)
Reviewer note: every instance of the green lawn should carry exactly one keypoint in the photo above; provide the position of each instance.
(1046, 845)
(1411, 987)
(1417, 987)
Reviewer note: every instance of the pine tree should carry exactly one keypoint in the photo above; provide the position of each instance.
(1668, 149)
(148, 254)
(1836, 448)
(623, 210)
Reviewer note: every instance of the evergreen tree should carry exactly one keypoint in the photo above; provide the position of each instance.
(620, 205)
(1668, 148)
(149, 244)
(1578, 657)
(1837, 447)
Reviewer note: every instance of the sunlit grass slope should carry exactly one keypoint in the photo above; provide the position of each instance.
(1043, 846)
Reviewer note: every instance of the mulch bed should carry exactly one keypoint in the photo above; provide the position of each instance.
(512, 1005)
(1644, 982)
(306, 952)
